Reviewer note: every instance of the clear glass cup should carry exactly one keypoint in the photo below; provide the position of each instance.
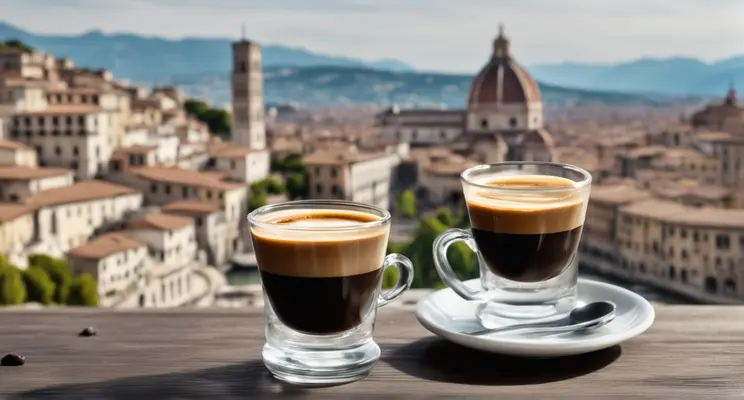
(321, 280)
(526, 220)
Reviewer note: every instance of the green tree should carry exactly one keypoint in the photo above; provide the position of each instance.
(297, 185)
(218, 121)
(16, 44)
(12, 290)
(274, 186)
(58, 271)
(444, 215)
(407, 204)
(39, 287)
(389, 278)
(83, 291)
(293, 164)
(258, 200)
(195, 107)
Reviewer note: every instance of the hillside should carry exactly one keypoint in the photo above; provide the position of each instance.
(347, 86)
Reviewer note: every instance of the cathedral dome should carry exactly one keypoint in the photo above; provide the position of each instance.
(502, 80)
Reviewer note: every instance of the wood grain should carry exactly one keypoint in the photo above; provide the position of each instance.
(690, 352)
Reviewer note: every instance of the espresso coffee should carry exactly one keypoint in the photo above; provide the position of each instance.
(320, 280)
(527, 236)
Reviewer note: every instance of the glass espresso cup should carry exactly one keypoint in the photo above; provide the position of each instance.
(526, 220)
(321, 265)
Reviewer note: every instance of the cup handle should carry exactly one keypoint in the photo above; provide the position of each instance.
(443, 242)
(405, 277)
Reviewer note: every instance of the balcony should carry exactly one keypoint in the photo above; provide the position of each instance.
(216, 354)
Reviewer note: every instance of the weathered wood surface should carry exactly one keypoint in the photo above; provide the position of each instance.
(690, 352)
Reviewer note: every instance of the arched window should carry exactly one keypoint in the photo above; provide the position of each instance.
(711, 284)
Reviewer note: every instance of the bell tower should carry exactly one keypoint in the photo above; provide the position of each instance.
(247, 95)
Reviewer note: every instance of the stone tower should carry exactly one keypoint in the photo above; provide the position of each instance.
(247, 95)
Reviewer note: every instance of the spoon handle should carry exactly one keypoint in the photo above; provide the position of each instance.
(541, 326)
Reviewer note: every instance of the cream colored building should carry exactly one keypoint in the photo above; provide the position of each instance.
(18, 182)
(68, 216)
(16, 226)
(116, 261)
(171, 241)
(68, 136)
(17, 153)
(728, 150)
(702, 248)
(242, 164)
(210, 225)
(351, 175)
(162, 185)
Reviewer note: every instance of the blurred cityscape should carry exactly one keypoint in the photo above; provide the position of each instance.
(117, 194)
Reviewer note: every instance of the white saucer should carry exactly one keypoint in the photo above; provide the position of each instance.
(446, 314)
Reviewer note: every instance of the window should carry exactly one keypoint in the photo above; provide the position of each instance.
(81, 120)
(683, 233)
(318, 188)
(42, 121)
(57, 150)
(199, 221)
(167, 189)
(75, 150)
(153, 188)
(484, 123)
(337, 191)
(512, 122)
(695, 236)
(443, 134)
(185, 192)
(232, 164)
(74, 165)
(334, 172)
(68, 120)
(684, 254)
(723, 242)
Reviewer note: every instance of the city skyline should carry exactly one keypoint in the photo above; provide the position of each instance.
(543, 31)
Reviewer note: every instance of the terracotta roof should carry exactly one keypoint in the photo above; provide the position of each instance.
(502, 80)
(23, 173)
(63, 110)
(231, 151)
(676, 213)
(82, 191)
(12, 145)
(11, 211)
(104, 246)
(191, 207)
(161, 222)
(617, 194)
(184, 177)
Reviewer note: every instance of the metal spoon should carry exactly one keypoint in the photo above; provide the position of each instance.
(585, 317)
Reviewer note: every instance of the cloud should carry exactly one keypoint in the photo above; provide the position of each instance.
(430, 34)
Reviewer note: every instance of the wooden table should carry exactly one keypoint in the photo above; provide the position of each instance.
(690, 352)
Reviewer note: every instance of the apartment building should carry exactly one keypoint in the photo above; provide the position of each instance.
(116, 261)
(242, 164)
(17, 153)
(68, 216)
(163, 185)
(68, 136)
(171, 241)
(16, 226)
(210, 224)
(18, 182)
(351, 175)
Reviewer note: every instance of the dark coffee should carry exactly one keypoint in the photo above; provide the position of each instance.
(527, 236)
(321, 282)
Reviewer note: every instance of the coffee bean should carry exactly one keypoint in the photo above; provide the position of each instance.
(12, 360)
(89, 331)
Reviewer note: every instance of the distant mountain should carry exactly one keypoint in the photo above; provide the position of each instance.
(152, 59)
(679, 76)
(349, 86)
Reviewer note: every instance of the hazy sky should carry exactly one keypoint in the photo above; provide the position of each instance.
(445, 35)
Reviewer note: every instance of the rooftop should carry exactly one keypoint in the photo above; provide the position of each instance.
(24, 173)
(340, 157)
(136, 149)
(673, 212)
(12, 145)
(161, 222)
(617, 194)
(191, 207)
(78, 192)
(11, 211)
(184, 177)
(231, 151)
(104, 246)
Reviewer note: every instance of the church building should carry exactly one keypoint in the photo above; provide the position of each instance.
(503, 120)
